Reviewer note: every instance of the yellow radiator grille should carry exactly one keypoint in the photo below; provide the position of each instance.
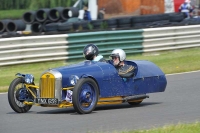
(47, 86)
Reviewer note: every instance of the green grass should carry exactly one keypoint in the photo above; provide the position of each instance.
(8, 72)
(170, 62)
(174, 61)
(179, 128)
(12, 14)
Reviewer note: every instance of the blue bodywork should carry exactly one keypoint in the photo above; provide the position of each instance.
(148, 77)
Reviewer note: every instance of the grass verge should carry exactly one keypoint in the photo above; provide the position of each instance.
(11, 14)
(170, 62)
(179, 128)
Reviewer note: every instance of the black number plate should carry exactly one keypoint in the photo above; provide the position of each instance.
(46, 100)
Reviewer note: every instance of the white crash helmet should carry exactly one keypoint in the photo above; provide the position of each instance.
(119, 53)
(187, 1)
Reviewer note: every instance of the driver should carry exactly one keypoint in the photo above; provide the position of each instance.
(91, 52)
(124, 70)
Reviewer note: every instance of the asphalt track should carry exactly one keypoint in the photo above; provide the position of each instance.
(180, 103)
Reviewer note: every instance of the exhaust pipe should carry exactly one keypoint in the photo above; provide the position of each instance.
(136, 97)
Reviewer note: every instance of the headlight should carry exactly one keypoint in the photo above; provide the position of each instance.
(29, 78)
(73, 79)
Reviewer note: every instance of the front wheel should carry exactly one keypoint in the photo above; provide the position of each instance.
(16, 95)
(85, 96)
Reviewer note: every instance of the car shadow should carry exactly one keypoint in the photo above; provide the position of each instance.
(124, 105)
(50, 111)
(71, 110)
(59, 111)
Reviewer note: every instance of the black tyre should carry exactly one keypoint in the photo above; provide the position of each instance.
(176, 18)
(194, 21)
(69, 12)
(140, 25)
(124, 26)
(50, 27)
(37, 27)
(153, 24)
(141, 19)
(97, 24)
(16, 25)
(85, 96)
(55, 13)
(76, 25)
(3, 24)
(135, 103)
(111, 21)
(65, 26)
(42, 14)
(160, 17)
(112, 26)
(29, 17)
(124, 21)
(85, 25)
(15, 92)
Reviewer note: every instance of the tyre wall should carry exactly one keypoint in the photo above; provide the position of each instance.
(41, 18)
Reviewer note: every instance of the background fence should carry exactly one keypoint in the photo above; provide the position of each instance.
(42, 48)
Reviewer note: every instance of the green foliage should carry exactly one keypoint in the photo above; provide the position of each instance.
(179, 128)
(80, 28)
(12, 14)
(90, 26)
(34, 4)
(105, 25)
(14, 4)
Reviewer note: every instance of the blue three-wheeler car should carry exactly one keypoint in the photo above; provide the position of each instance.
(92, 84)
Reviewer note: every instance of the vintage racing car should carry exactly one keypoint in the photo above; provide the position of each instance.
(92, 84)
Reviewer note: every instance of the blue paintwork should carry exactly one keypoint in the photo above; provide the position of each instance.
(87, 89)
(148, 77)
(23, 94)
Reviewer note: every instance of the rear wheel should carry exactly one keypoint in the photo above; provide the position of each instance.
(85, 96)
(16, 95)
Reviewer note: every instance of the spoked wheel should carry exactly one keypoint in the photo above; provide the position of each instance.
(85, 96)
(16, 95)
(135, 103)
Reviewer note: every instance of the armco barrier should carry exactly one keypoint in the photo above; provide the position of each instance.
(129, 40)
(32, 49)
(61, 47)
(170, 38)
